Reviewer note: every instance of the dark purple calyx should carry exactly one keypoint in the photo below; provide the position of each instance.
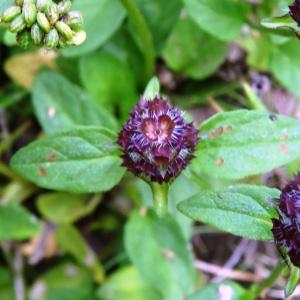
(157, 142)
(295, 11)
(286, 229)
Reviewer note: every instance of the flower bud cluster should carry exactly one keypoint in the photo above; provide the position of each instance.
(286, 229)
(45, 22)
(157, 142)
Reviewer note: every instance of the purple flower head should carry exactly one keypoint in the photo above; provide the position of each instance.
(295, 11)
(286, 229)
(157, 142)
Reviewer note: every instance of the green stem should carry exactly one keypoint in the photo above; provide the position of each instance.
(278, 31)
(14, 136)
(254, 101)
(7, 172)
(268, 282)
(141, 26)
(160, 198)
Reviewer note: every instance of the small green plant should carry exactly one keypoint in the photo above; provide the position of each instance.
(161, 132)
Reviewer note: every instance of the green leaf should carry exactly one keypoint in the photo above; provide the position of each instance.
(101, 19)
(241, 210)
(285, 65)
(6, 285)
(164, 260)
(293, 281)
(66, 282)
(109, 81)
(65, 208)
(286, 22)
(213, 291)
(124, 46)
(152, 89)
(161, 16)
(82, 160)
(242, 143)
(16, 223)
(224, 21)
(183, 54)
(127, 284)
(59, 104)
(72, 242)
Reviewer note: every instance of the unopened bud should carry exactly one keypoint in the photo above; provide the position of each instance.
(78, 38)
(11, 13)
(43, 22)
(29, 13)
(64, 7)
(19, 2)
(62, 43)
(74, 19)
(52, 13)
(23, 39)
(18, 24)
(36, 34)
(64, 30)
(51, 39)
(42, 5)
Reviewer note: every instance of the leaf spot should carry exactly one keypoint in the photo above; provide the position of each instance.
(225, 292)
(284, 149)
(42, 172)
(220, 162)
(52, 157)
(51, 112)
(71, 271)
(89, 259)
(217, 133)
(169, 254)
(143, 211)
(284, 137)
(229, 129)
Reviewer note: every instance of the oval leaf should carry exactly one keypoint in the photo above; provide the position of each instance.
(127, 284)
(72, 242)
(64, 208)
(81, 160)
(242, 210)
(59, 104)
(223, 20)
(164, 260)
(109, 81)
(183, 54)
(16, 223)
(242, 143)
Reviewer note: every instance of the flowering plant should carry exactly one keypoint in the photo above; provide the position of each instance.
(155, 152)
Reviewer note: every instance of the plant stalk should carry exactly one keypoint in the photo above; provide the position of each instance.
(142, 28)
(160, 198)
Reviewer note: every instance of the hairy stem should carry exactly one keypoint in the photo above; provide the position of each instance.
(160, 198)
(141, 26)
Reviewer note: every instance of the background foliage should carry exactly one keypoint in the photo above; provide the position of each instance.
(95, 237)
